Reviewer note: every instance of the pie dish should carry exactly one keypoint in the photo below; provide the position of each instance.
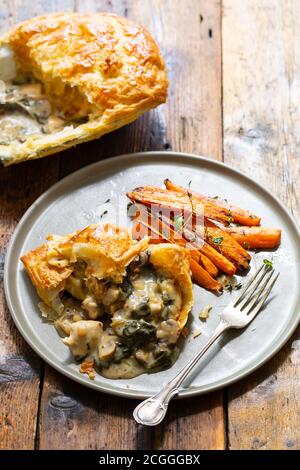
(67, 78)
(119, 304)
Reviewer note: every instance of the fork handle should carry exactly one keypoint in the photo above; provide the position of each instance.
(152, 411)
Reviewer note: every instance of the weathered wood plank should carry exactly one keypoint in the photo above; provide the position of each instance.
(19, 366)
(191, 121)
(261, 79)
(74, 417)
(191, 41)
(194, 423)
(93, 420)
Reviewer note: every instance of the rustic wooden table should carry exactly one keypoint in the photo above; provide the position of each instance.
(234, 71)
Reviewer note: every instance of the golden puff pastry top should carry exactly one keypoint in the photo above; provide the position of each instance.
(107, 250)
(111, 61)
(99, 64)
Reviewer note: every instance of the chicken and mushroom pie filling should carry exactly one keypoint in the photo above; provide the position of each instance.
(97, 72)
(30, 108)
(26, 111)
(125, 328)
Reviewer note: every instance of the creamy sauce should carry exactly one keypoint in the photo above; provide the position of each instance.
(25, 111)
(15, 126)
(127, 369)
(29, 109)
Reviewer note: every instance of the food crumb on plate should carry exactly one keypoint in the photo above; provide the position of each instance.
(203, 315)
(196, 334)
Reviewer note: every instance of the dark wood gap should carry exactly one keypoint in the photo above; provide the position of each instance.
(41, 386)
(144, 437)
(226, 419)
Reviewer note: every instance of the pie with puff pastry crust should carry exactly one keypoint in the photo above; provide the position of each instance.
(120, 304)
(92, 74)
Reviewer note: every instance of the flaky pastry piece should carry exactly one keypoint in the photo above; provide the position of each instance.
(106, 249)
(67, 78)
(120, 304)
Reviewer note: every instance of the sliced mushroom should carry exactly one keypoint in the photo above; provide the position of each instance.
(107, 348)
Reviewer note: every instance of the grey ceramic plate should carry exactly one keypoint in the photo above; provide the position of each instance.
(79, 199)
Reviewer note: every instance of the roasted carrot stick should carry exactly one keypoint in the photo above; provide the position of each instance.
(149, 224)
(207, 264)
(180, 202)
(196, 255)
(203, 278)
(141, 229)
(225, 244)
(239, 215)
(212, 259)
(221, 241)
(255, 237)
(218, 259)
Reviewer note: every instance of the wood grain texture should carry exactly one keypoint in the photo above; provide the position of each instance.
(261, 129)
(194, 423)
(261, 92)
(20, 368)
(188, 123)
(74, 417)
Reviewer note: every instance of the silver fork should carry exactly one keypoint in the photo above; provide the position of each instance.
(238, 314)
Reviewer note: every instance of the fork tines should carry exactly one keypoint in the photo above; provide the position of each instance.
(256, 290)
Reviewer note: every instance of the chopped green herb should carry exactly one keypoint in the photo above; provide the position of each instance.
(189, 183)
(217, 240)
(178, 222)
(230, 215)
(268, 263)
(216, 197)
(190, 197)
(190, 218)
(107, 201)
(103, 214)
(232, 287)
